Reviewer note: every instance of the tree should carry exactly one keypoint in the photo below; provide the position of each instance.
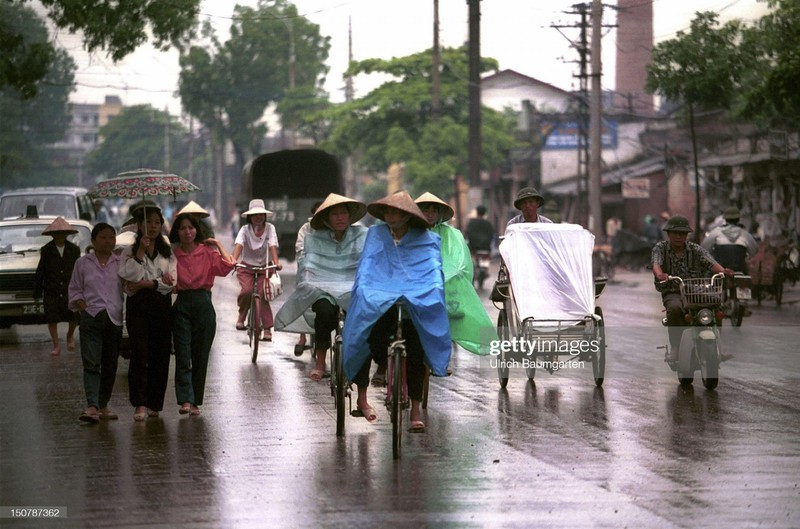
(229, 86)
(135, 138)
(770, 92)
(702, 68)
(118, 27)
(394, 122)
(30, 123)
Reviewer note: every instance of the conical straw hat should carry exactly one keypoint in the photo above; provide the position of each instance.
(195, 209)
(400, 200)
(444, 208)
(59, 226)
(356, 209)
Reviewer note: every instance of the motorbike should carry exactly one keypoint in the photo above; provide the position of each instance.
(735, 296)
(482, 260)
(702, 300)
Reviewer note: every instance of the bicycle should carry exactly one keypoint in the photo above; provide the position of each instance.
(340, 388)
(254, 313)
(397, 393)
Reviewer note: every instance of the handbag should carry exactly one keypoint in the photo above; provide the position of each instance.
(274, 286)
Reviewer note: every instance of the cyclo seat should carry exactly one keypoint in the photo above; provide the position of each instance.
(733, 256)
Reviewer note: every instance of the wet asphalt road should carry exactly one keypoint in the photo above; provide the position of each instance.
(640, 452)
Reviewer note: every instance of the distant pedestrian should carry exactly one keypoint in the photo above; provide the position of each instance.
(96, 291)
(51, 283)
(194, 320)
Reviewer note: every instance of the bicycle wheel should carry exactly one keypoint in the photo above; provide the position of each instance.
(255, 326)
(397, 402)
(337, 372)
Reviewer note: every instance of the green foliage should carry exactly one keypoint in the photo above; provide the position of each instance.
(394, 122)
(135, 138)
(228, 86)
(32, 114)
(772, 47)
(118, 27)
(701, 67)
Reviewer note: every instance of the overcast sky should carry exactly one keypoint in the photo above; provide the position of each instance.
(518, 33)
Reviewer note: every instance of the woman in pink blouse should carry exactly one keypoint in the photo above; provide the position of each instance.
(193, 317)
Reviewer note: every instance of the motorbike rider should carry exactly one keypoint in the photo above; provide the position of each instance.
(678, 257)
(479, 233)
(729, 235)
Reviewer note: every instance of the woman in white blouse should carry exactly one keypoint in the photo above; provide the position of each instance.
(257, 245)
(149, 270)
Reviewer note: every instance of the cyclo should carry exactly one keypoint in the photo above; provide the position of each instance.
(546, 296)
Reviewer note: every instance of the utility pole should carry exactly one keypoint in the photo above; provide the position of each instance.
(436, 106)
(595, 137)
(474, 93)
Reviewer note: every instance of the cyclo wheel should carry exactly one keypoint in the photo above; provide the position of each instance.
(397, 401)
(503, 333)
(599, 357)
(255, 327)
(340, 386)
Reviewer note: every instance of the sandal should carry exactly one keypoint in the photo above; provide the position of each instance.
(195, 410)
(140, 414)
(266, 337)
(368, 413)
(90, 415)
(240, 326)
(186, 408)
(417, 427)
(317, 374)
(107, 414)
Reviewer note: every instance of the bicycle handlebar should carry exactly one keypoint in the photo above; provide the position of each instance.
(678, 279)
(255, 268)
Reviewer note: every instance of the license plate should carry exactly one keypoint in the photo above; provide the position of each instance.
(743, 293)
(33, 309)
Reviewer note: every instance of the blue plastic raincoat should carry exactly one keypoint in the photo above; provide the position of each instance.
(410, 270)
(327, 269)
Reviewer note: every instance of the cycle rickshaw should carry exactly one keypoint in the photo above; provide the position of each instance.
(546, 295)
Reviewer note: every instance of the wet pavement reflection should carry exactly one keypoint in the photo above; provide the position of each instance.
(556, 451)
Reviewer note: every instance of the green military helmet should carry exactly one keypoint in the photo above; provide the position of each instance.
(677, 223)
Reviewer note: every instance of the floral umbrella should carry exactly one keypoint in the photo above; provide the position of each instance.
(142, 183)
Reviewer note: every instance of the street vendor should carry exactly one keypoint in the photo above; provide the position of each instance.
(401, 261)
(331, 250)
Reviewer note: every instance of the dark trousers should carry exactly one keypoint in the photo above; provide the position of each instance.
(194, 324)
(326, 317)
(675, 322)
(379, 339)
(100, 340)
(150, 335)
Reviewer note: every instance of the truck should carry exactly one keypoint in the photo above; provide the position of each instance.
(290, 182)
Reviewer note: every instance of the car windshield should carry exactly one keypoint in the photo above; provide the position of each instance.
(26, 237)
(15, 206)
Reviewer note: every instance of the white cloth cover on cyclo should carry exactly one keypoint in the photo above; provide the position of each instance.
(550, 267)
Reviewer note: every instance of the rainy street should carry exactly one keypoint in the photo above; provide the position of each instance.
(638, 452)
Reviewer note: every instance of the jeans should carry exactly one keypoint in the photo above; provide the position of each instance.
(100, 340)
(194, 324)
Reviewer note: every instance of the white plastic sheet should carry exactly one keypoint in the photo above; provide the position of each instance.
(550, 267)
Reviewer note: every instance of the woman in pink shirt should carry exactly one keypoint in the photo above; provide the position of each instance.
(194, 321)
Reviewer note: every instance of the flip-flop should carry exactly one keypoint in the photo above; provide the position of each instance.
(417, 427)
(368, 413)
(240, 327)
(186, 408)
(93, 418)
(298, 349)
(317, 374)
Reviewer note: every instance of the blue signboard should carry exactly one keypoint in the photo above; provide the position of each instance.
(565, 135)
